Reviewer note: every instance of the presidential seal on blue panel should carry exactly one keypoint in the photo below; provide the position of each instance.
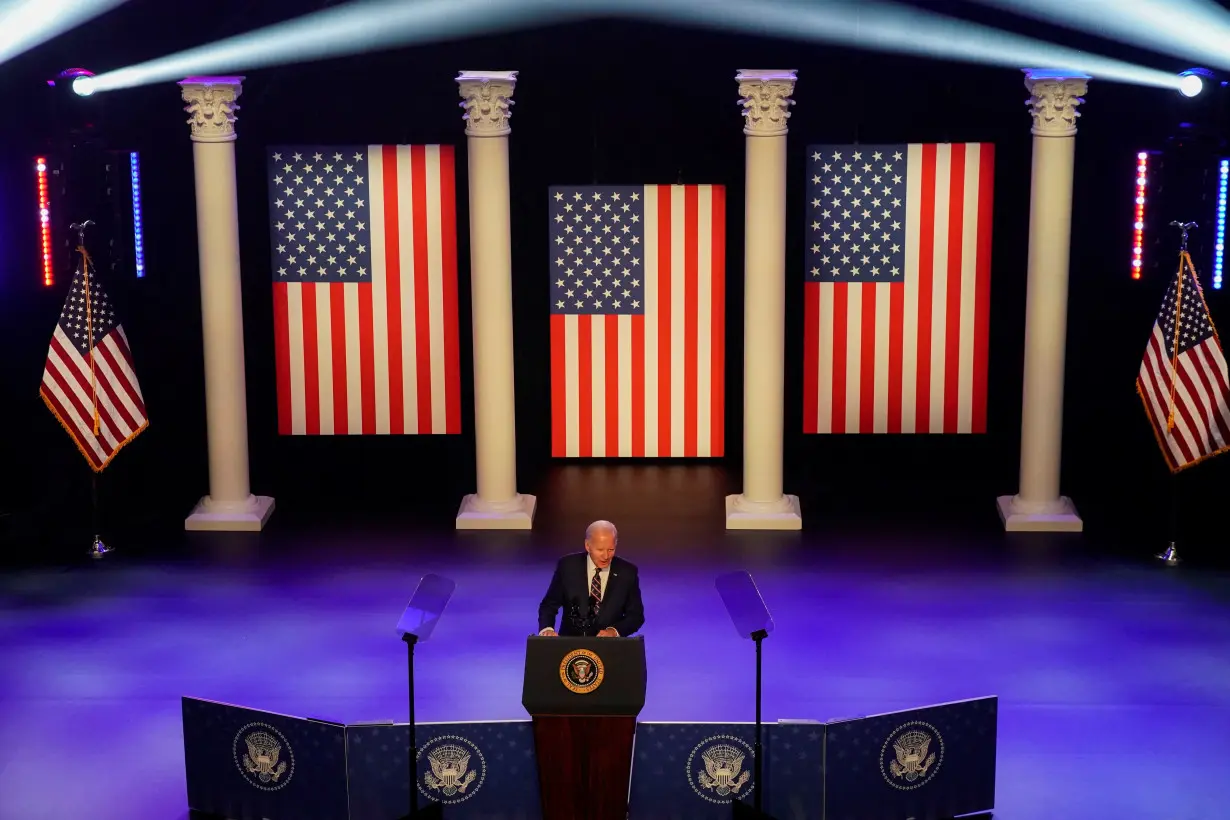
(451, 769)
(264, 757)
(581, 671)
(911, 755)
(716, 768)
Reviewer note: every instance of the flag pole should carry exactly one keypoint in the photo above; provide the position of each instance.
(1170, 555)
(97, 549)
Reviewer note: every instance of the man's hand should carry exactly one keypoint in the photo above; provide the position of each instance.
(608, 633)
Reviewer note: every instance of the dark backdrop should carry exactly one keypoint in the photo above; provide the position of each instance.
(604, 103)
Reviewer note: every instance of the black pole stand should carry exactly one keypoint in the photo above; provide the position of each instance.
(758, 636)
(1170, 555)
(741, 811)
(98, 549)
(435, 811)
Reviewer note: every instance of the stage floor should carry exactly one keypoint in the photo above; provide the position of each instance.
(1112, 675)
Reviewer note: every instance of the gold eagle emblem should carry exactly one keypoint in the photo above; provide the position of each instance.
(913, 759)
(723, 770)
(262, 757)
(450, 770)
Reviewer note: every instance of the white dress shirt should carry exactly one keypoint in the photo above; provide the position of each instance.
(603, 576)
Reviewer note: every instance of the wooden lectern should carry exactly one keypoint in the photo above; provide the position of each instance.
(584, 695)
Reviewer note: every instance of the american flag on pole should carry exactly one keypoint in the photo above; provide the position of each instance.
(365, 289)
(897, 293)
(1190, 414)
(638, 311)
(89, 383)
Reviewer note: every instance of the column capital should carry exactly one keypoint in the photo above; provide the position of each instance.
(1054, 96)
(487, 99)
(765, 97)
(212, 106)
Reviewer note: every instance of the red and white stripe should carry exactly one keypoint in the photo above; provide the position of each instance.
(652, 385)
(1201, 399)
(380, 357)
(72, 393)
(911, 357)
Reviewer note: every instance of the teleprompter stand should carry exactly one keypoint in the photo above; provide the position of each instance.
(752, 620)
(416, 624)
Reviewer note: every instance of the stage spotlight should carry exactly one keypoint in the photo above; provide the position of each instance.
(84, 86)
(1190, 82)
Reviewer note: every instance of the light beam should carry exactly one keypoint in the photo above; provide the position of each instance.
(355, 28)
(25, 24)
(1196, 30)
(372, 25)
(890, 28)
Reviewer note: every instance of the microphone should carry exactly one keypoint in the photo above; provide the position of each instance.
(584, 621)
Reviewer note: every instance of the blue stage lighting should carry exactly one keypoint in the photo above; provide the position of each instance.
(138, 244)
(1219, 248)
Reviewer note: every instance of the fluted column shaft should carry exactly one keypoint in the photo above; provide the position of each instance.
(1053, 101)
(487, 100)
(212, 106)
(765, 97)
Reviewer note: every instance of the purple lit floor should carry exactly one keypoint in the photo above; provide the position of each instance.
(1113, 678)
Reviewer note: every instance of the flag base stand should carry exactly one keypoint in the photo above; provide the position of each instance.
(98, 549)
(1169, 556)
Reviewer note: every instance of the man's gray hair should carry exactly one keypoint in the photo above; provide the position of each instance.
(601, 526)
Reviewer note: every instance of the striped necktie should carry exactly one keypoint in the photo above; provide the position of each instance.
(595, 590)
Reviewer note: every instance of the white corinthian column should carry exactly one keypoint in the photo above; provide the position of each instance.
(1038, 506)
(487, 98)
(765, 97)
(230, 505)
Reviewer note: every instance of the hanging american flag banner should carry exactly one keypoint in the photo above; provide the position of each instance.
(365, 289)
(1190, 414)
(638, 311)
(89, 383)
(897, 293)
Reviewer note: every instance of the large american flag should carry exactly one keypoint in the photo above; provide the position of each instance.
(365, 289)
(638, 311)
(89, 383)
(1191, 414)
(897, 294)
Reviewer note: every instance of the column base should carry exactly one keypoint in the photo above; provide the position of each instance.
(1019, 516)
(783, 514)
(249, 516)
(476, 514)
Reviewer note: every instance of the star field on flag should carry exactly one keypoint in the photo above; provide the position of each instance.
(320, 210)
(856, 215)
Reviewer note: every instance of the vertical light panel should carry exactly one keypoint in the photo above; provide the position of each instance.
(1219, 247)
(44, 220)
(1138, 227)
(138, 244)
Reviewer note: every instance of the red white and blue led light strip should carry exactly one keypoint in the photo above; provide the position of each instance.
(1138, 226)
(44, 217)
(138, 243)
(1219, 247)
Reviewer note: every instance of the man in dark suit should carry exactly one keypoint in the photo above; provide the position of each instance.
(594, 584)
